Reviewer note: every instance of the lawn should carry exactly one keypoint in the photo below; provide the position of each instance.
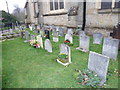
(26, 67)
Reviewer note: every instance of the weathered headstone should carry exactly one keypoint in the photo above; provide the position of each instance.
(70, 31)
(84, 43)
(99, 64)
(69, 37)
(110, 48)
(39, 40)
(42, 32)
(53, 30)
(47, 34)
(55, 36)
(82, 33)
(26, 36)
(48, 45)
(97, 38)
(61, 32)
(65, 49)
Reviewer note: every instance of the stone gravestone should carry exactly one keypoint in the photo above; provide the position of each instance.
(69, 37)
(70, 31)
(39, 39)
(99, 64)
(26, 36)
(55, 36)
(110, 48)
(53, 30)
(84, 43)
(61, 32)
(47, 34)
(65, 49)
(42, 32)
(82, 33)
(48, 45)
(97, 38)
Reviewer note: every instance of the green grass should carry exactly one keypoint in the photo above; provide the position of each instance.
(26, 67)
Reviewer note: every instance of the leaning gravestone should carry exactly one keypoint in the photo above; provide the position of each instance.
(70, 31)
(65, 49)
(84, 43)
(99, 64)
(55, 36)
(97, 38)
(69, 37)
(48, 45)
(39, 40)
(110, 48)
(26, 36)
(61, 32)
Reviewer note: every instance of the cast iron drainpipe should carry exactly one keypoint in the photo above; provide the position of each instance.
(84, 15)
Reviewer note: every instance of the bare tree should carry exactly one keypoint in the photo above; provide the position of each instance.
(19, 13)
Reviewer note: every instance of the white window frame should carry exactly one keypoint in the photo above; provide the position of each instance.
(58, 10)
(98, 4)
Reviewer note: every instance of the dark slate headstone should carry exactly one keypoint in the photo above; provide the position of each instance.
(47, 34)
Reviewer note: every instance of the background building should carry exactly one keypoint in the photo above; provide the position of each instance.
(100, 16)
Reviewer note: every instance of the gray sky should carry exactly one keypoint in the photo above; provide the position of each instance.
(11, 3)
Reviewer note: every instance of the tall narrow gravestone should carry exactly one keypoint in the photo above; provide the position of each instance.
(61, 32)
(97, 38)
(110, 48)
(39, 40)
(65, 49)
(99, 64)
(69, 37)
(84, 43)
(48, 45)
(55, 36)
(27, 36)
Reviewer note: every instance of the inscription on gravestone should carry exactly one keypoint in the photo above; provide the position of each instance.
(61, 32)
(99, 64)
(84, 43)
(97, 38)
(55, 36)
(110, 48)
(48, 45)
